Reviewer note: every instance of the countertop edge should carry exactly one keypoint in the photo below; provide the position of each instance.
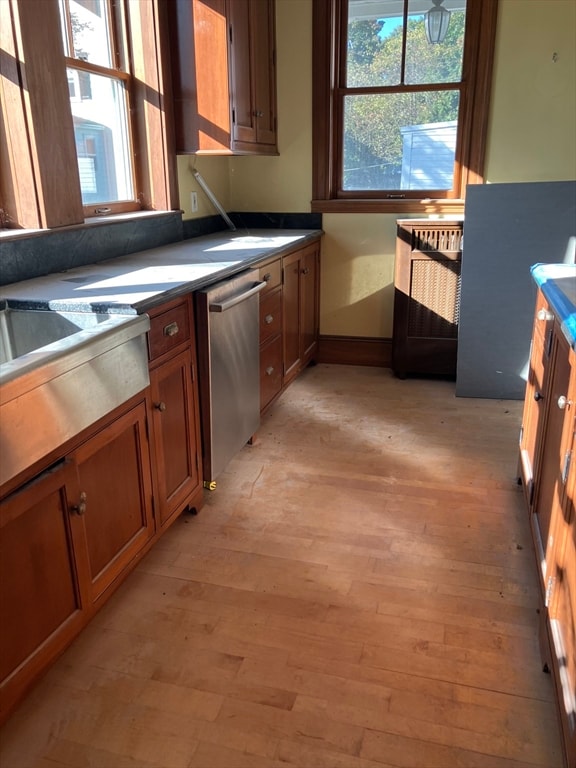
(546, 276)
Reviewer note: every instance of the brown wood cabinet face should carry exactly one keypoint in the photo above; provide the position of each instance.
(562, 609)
(114, 475)
(252, 74)
(310, 303)
(549, 480)
(536, 399)
(224, 76)
(291, 303)
(270, 371)
(548, 444)
(176, 438)
(42, 559)
(300, 308)
(169, 329)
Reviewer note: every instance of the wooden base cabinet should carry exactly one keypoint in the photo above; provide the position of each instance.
(300, 308)
(175, 411)
(289, 318)
(548, 471)
(270, 332)
(66, 538)
(115, 500)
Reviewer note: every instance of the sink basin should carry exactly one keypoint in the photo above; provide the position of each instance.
(59, 373)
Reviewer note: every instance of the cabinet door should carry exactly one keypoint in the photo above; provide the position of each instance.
(242, 94)
(262, 22)
(550, 478)
(42, 559)
(300, 308)
(114, 476)
(291, 303)
(562, 609)
(198, 33)
(309, 295)
(252, 74)
(176, 437)
(536, 399)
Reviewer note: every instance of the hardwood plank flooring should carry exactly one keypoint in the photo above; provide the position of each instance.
(359, 592)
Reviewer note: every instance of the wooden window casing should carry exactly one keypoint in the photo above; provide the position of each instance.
(329, 35)
(39, 179)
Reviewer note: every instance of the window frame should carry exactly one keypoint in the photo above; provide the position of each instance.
(39, 179)
(329, 35)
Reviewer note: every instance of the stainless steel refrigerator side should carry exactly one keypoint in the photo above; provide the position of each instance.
(227, 320)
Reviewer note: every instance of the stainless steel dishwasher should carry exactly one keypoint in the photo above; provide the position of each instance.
(227, 322)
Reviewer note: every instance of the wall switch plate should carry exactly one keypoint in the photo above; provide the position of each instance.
(194, 201)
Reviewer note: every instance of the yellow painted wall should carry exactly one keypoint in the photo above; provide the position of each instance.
(531, 138)
(532, 131)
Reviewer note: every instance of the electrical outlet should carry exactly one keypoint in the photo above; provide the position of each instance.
(194, 201)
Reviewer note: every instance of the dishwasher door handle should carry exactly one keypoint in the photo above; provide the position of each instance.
(223, 306)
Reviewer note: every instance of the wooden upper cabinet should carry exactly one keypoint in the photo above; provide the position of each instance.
(223, 76)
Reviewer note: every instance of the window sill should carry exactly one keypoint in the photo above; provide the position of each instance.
(421, 207)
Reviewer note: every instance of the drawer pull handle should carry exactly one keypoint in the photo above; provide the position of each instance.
(171, 329)
(267, 277)
(80, 509)
(269, 319)
(160, 406)
(269, 370)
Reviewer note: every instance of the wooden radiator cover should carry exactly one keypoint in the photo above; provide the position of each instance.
(426, 297)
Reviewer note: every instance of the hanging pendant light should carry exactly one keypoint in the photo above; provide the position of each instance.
(436, 22)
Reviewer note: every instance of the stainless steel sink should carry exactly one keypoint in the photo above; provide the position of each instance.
(61, 372)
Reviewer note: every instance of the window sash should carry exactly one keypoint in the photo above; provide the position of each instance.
(330, 34)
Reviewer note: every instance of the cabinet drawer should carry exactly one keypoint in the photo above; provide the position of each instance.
(271, 274)
(270, 371)
(168, 329)
(270, 315)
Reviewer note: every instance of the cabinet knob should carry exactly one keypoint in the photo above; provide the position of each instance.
(270, 370)
(563, 402)
(544, 314)
(305, 271)
(269, 319)
(258, 113)
(267, 277)
(80, 509)
(160, 406)
(171, 329)
(538, 396)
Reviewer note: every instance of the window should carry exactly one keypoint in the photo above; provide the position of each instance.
(399, 121)
(83, 111)
(100, 103)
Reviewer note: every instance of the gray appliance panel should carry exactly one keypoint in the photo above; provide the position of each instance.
(507, 229)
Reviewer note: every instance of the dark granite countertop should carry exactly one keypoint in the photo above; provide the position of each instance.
(558, 284)
(135, 283)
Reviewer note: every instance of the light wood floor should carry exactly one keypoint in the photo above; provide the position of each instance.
(359, 592)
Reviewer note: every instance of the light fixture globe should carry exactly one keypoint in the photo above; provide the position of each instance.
(436, 22)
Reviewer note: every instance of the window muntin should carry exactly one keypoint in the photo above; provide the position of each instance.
(456, 86)
(99, 87)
